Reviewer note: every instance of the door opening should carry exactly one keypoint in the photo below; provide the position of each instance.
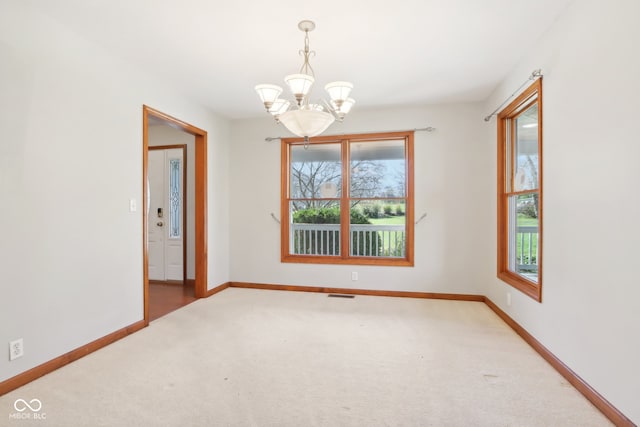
(170, 219)
(191, 227)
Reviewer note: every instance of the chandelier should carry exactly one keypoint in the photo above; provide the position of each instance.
(306, 119)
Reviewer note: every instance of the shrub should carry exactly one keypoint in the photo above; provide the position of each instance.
(388, 210)
(528, 210)
(358, 217)
(372, 210)
(399, 210)
(397, 250)
(327, 216)
(317, 216)
(327, 240)
(528, 207)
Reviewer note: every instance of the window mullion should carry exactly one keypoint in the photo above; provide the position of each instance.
(512, 153)
(345, 204)
(285, 248)
(409, 196)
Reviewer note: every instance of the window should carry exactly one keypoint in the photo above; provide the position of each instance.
(175, 198)
(520, 192)
(348, 199)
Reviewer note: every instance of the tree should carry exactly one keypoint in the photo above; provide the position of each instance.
(307, 178)
(529, 206)
(533, 170)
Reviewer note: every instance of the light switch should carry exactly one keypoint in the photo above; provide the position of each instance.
(133, 205)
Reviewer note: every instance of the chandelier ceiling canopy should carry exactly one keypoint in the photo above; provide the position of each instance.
(306, 119)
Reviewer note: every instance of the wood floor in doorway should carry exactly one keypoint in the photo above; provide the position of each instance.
(165, 298)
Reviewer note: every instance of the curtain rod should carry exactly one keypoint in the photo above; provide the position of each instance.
(427, 129)
(535, 74)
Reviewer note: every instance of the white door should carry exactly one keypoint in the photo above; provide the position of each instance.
(166, 201)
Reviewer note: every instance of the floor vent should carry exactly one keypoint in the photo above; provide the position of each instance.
(341, 296)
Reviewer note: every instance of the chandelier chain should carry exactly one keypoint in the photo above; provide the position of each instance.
(306, 53)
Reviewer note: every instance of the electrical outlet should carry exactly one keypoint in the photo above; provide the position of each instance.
(354, 275)
(16, 349)
(508, 299)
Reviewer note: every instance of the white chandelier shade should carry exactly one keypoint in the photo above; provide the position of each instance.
(299, 85)
(307, 120)
(346, 105)
(306, 123)
(279, 106)
(268, 93)
(339, 91)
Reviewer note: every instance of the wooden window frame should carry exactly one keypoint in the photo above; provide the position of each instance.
(345, 200)
(532, 95)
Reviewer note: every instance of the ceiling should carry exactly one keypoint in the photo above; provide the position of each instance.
(405, 52)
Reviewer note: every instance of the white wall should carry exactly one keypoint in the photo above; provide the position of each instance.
(166, 135)
(590, 314)
(449, 250)
(70, 160)
(71, 157)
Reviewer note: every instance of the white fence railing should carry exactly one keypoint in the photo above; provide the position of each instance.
(315, 239)
(389, 241)
(371, 240)
(527, 249)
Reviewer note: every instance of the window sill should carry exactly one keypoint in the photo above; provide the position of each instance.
(304, 259)
(527, 287)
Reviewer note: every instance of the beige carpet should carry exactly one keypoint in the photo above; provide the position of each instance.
(271, 358)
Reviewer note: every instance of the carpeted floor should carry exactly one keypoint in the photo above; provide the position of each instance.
(271, 358)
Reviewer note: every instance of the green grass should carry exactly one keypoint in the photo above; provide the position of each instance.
(526, 220)
(390, 220)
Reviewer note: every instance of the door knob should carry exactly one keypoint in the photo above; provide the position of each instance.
(159, 223)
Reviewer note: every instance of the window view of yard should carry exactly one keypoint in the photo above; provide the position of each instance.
(374, 191)
(520, 192)
(526, 236)
(377, 229)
